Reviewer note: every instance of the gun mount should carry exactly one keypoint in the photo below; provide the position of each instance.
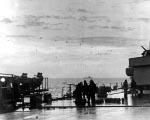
(14, 88)
(145, 52)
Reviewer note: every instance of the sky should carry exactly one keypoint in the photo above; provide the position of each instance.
(72, 38)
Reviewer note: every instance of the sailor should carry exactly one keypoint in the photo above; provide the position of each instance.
(133, 87)
(85, 89)
(92, 91)
(125, 85)
(78, 95)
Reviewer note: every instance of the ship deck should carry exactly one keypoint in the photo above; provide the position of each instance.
(132, 101)
(134, 108)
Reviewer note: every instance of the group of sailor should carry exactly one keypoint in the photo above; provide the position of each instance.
(85, 92)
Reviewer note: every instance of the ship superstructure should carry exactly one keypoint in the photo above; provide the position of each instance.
(139, 70)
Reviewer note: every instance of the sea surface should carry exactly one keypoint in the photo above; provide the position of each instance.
(59, 86)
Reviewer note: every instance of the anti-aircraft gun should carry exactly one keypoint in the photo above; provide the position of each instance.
(25, 85)
(18, 86)
(15, 88)
(145, 52)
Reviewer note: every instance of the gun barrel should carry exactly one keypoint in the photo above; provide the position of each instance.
(143, 48)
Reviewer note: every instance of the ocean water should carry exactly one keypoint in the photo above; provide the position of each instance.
(59, 86)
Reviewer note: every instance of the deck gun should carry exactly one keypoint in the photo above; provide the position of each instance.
(145, 52)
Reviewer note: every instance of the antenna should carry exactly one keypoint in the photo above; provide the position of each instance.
(143, 48)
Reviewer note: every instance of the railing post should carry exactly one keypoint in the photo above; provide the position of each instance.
(70, 91)
(42, 84)
(45, 83)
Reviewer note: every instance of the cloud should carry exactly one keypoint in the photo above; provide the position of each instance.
(78, 10)
(102, 41)
(125, 29)
(6, 20)
(83, 18)
(83, 10)
(57, 22)
(54, 26)
(57, 29)
(106, 18)
(33, 24)
(20, 36)
(138, 1)
(110, 41)
(92, 19)
(146, 19)
(62, 17)
(32, 18)
(96, 26)
(53, 17)
(45, 21)
(31, 21)
(80, 18)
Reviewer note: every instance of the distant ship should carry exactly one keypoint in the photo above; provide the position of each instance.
(89, 77)
(139, 70)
